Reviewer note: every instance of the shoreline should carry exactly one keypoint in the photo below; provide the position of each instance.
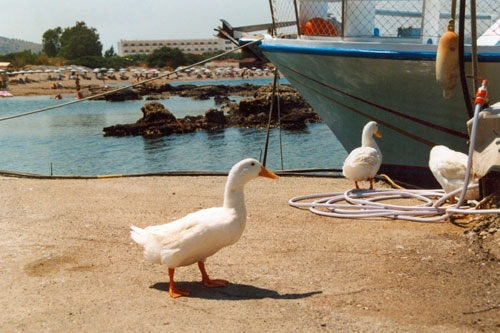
(43, 87)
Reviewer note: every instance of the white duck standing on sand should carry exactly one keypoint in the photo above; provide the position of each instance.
(201, 234)
(449, 168)
(363, 162)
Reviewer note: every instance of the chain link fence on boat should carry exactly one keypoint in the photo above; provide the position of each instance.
(425, 20)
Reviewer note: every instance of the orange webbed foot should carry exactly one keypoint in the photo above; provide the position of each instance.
(172, 290)
(207, 282)
(214, 283)
(175, 292)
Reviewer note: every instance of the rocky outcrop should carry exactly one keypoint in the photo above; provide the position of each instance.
(156, 122)
(198, 92)
(294, 113)
(129, 94)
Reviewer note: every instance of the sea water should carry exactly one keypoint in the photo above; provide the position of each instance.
(70, 140)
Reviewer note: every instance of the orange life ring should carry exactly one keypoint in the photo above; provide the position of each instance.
(319, 27)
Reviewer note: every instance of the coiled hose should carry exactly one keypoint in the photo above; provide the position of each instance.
(367, 203)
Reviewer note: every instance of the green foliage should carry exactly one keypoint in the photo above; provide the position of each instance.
(51, 41)
(20, 59)
(110, 53)
(137, 59)
(173, 57)
(166, 57)
(115, 62)
(79, 41)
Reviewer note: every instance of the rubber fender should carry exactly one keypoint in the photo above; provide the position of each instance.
(447, 70)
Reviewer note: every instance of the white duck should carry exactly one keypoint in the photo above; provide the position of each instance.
(363, 162)
(449, 168)
(201, 234)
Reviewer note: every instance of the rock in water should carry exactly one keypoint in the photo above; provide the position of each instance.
(156, 122)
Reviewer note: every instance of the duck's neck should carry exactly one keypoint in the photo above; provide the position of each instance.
(367, 140)
(234, 196)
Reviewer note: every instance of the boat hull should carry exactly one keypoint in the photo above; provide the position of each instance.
(351, 84)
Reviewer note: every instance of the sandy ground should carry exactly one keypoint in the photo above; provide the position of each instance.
(67, 264)
(42, 87)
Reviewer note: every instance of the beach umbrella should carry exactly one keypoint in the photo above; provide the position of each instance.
(103, 69)
(48, 71)
(1, 71)
(96, 70)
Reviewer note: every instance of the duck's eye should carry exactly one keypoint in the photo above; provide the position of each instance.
(253, 163)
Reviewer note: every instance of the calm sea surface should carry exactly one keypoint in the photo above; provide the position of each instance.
(71, 138)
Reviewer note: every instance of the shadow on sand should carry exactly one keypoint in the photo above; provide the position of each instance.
(231, 292)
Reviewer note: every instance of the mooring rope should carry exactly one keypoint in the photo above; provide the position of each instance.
(130, 86)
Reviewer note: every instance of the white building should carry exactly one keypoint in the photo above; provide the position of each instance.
(128, 47)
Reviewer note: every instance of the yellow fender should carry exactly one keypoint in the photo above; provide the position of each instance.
(447, 61)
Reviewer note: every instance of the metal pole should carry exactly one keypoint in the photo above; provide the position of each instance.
(473, 33)
(343, 18)
(274, 21)
(270, 115)
(461, 56)
(279, 122)
(297, 17)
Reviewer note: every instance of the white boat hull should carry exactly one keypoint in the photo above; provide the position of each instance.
(349, 84)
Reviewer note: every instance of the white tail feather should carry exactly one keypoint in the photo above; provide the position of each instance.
(152, 248)
(138, 235)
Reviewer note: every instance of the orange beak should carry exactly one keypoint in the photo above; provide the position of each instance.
(377, 134)
(266, 173)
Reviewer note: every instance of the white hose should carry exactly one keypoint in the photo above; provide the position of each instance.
(366, 203)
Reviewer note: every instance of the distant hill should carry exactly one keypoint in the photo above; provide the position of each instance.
(16, 45)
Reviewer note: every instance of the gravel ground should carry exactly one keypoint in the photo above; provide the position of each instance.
(67, 264)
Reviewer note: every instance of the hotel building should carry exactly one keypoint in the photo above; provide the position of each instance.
(128, 47)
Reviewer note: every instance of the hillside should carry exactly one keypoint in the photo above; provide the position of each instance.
(16, 45)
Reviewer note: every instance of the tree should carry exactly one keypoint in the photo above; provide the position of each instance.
(51, 41)
(80, 41)
(109, 53)
(166, 56)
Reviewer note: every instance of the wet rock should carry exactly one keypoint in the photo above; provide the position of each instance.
(253, 112)
(218, 100)
(156, 122)
(129, 94)
(294, 111)
(215, 117)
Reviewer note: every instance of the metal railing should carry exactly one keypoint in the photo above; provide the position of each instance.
(425, 20)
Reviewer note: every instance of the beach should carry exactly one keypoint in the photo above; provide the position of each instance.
(39, 85)
(68, 263)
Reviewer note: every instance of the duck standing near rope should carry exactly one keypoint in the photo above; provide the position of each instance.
(201, 234)
(363, 162)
